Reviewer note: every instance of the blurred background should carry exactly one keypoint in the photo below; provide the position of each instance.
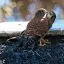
(24, 10)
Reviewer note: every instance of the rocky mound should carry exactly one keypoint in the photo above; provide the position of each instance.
(25, 50)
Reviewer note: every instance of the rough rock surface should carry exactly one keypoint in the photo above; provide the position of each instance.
(25, 50)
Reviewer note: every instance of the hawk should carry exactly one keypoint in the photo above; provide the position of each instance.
(40, 24)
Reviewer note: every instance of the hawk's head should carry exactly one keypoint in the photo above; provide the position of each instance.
(41, 23)
(43, 14)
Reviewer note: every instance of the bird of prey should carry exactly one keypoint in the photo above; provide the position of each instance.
(40, 24)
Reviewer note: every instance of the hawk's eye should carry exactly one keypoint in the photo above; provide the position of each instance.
(40, 13)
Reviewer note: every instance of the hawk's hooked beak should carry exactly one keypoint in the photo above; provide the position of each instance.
(51, 15)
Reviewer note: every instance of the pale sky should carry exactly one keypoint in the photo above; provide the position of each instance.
(59, 23)
(4, 2)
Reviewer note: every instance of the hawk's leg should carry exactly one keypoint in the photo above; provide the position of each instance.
(42, 42)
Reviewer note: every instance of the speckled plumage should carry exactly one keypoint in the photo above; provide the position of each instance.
(40, 25)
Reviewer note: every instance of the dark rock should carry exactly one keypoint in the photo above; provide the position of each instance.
(25, 50)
